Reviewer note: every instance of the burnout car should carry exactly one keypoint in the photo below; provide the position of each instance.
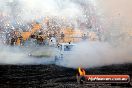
(64, 49)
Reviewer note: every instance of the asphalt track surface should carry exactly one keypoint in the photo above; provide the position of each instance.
(53, 76)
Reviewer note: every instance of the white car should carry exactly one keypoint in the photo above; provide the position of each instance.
(55, 54)
(64, 49)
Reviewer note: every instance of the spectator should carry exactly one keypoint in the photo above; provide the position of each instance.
(12, 41)
(62, 36)
(40, 40)
(84, 37)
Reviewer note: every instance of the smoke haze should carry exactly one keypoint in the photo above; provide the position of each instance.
(113, 17)
(92, 54)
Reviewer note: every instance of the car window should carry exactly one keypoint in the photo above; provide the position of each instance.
(68, 47)
(60, 47)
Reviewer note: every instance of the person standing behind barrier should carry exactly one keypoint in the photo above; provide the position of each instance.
(13, 41)
(84, 37)
(62, 36)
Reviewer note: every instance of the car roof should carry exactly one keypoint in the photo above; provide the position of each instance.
(66, 44)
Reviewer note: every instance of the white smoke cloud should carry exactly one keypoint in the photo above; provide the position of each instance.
(115, 20)
(20, 56)
(27, 11)
(92, 54)
(33, 9)
(114, 17)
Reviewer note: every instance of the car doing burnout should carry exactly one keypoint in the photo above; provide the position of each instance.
(64, 49)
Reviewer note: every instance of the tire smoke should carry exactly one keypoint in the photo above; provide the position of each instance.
(114, 18)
